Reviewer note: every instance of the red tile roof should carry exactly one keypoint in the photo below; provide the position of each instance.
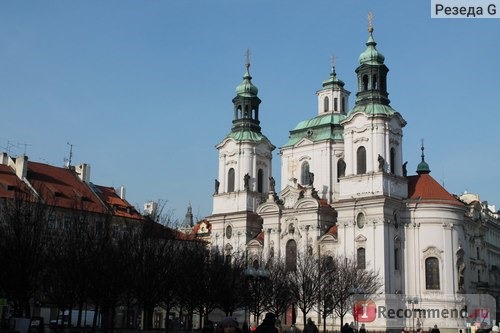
(426, 189)
(62, 187)
(333, 230)
(119, 207)
(10, 183)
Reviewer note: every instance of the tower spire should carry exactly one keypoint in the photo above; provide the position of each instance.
(423, 167)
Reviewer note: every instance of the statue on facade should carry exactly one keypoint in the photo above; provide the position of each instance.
(246, 181)
(461, 269)
(217, 184)
(381, 163)
(405, 171)
(272, 184)
(342, 167)
(311, 178)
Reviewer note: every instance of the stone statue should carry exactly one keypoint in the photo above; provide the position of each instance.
(246, 181)
(311, 178)
(405, 171)
(342, 167)
(460, 269)
(217, 184)
(272, 184)
(381, 163)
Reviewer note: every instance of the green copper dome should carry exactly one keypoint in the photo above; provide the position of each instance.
(332, 80)
(246, 88)
(423, 167)
(371, 56)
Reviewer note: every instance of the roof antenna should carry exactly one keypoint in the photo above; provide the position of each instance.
(68, 160)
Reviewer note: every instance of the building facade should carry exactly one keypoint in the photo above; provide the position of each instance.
(345, 190)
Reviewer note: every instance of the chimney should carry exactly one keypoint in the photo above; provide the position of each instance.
(83, 171)
(122, 192)
(21, 166)
(4, 159)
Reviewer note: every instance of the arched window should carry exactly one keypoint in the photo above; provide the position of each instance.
(365, 82)
(374, 83)
(260, 181)
(230, 180)
(326, 104)
(291, 256)
(361, 258)
(255, 264)
(342, 110)
(361, 160)
(393, 161)
(340, 168)
(432, 273)
(335, 104)
(304, 173)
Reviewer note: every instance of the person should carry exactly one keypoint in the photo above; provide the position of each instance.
(362, 329)
(230, 325)
(310, 327)
(435, 329)
(347, 329)
(268, 324)
(495, 329)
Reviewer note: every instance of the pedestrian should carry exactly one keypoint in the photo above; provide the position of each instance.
(268, 324)
(230, 325)
(310, 327)
(435, 329)
(362, 329)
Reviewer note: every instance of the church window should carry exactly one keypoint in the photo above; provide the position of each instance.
(393, 160)
(230, 180)
(329, 264)
(360, 220)
(375, 82)
(335, 102)
(432, 273)
(361, 258)
(260, 181)
(343, 105)
(361, 160)
(304, 173)
(326, 104)
(246, 115)
(255, 264)
(229, 232)
(228, 258)
(365, 82)
(291, 256)
(340, 168)
(309, 250)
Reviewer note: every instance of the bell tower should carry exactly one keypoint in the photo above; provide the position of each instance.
(245, 171)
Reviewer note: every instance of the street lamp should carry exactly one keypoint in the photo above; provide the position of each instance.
(412, 301)
(256, 276)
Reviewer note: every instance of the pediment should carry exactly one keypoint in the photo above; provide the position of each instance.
(360, 239)
(268, 207)
(290, 195)
(306, 203)
(303, 142)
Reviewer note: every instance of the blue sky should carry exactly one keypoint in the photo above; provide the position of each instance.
(143, 89)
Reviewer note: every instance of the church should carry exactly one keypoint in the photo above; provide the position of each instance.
(345, 190)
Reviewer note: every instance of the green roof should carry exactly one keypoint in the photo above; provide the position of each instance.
(246, 136)
(319, 128)
(373, 109)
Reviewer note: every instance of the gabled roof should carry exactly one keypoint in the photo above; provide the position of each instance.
(424, 188)
(120, 207)
(61, 187)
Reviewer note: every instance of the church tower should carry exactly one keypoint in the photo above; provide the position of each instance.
(245, 170)
(372, 191)
(313, 155)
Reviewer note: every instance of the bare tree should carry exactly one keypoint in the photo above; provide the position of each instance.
(327, 274)
(278, 292)
(23, 245)
(350, 281)
(305, 283)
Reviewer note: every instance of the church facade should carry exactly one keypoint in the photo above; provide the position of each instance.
(345, 191)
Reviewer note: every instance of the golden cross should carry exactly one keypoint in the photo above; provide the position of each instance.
(333, 58)
(247, 57)
(370, 21)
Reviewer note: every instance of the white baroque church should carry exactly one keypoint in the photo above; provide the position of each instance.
(345, 190)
